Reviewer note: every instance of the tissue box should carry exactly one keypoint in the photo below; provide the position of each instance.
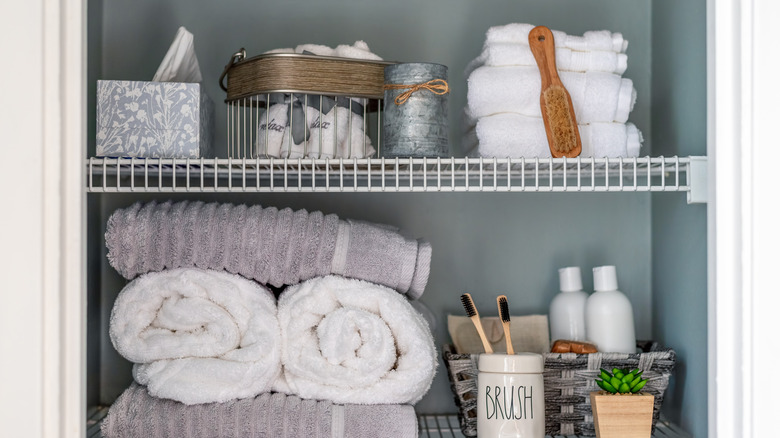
(154, 120)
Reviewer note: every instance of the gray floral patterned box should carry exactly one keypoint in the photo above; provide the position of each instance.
(154, 120)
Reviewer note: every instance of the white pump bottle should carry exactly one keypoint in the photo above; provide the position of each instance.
(567, 309)
(609, 317)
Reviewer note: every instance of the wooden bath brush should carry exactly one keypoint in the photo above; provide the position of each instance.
(557, 109)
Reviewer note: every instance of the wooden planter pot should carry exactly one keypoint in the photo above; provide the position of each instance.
(622, 415)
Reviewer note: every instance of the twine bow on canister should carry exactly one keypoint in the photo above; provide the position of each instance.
(436, 86)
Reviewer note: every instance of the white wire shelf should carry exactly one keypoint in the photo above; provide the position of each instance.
(162, 175)
(430, 426)
(446, 426)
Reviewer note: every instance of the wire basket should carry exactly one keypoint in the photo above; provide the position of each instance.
(287, 105)
(569, 379)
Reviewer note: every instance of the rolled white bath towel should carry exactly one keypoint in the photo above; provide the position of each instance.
(514, 136)
(596, 96)
(350, 341)
(591, 40)
(507, 54)
(198, 336)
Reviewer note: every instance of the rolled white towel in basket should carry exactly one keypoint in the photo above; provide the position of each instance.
(596, 96)
(350, 341)
(350, 137)
(273, 134)
(334, 132)
(359, 50)
(591, 40)
(513, 135)
(277, 247)
(198, 336)
(507, 54)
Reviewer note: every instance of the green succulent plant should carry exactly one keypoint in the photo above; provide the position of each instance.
(621, 381)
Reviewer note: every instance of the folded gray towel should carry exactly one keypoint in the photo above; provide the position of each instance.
(276, 247)
(136, 414)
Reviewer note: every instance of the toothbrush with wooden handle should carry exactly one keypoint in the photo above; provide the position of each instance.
(503, 311)
(471, 311)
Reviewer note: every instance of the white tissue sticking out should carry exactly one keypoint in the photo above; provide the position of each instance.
(180, 63)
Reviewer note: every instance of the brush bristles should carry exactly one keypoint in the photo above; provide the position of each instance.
(559, 117)
(468, 304)
(503, 309)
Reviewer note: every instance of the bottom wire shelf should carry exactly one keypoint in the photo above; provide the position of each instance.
(447, 426)
(431, 426)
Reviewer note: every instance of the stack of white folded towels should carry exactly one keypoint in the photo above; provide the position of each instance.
(503, 117)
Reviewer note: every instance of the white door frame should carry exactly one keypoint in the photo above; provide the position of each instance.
(742, 214)
(42, 136)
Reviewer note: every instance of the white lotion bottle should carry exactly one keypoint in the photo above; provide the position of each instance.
(609, 317)
(567, 309)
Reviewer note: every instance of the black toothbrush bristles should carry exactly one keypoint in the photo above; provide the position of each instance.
(468, 304)
(503, 308)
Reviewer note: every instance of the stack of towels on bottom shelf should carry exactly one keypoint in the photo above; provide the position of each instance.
(341, 352)
(503, 117)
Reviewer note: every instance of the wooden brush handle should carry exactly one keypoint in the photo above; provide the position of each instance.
(509, 348)
(481, 332)
(542, 45)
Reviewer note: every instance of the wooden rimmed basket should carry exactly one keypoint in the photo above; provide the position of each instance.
(310, 86)
(569, 379)
(302, 73)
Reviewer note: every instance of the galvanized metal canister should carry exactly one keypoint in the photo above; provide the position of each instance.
(416, 127)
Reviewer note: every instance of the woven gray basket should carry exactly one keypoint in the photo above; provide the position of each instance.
(568, 381)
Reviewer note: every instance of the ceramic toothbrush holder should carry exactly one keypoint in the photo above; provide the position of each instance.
(511, 396)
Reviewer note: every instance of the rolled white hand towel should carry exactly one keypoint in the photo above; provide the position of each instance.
(507, 54)
(596, 96)
(315, 49)
(514, 136)
(350, 341)
(198, 336)
(350, 138)
(591, 40)
(338, 133)
(359, 50)
(273, 134)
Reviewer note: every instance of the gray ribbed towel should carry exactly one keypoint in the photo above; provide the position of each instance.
(276, 247)
(136, 414)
